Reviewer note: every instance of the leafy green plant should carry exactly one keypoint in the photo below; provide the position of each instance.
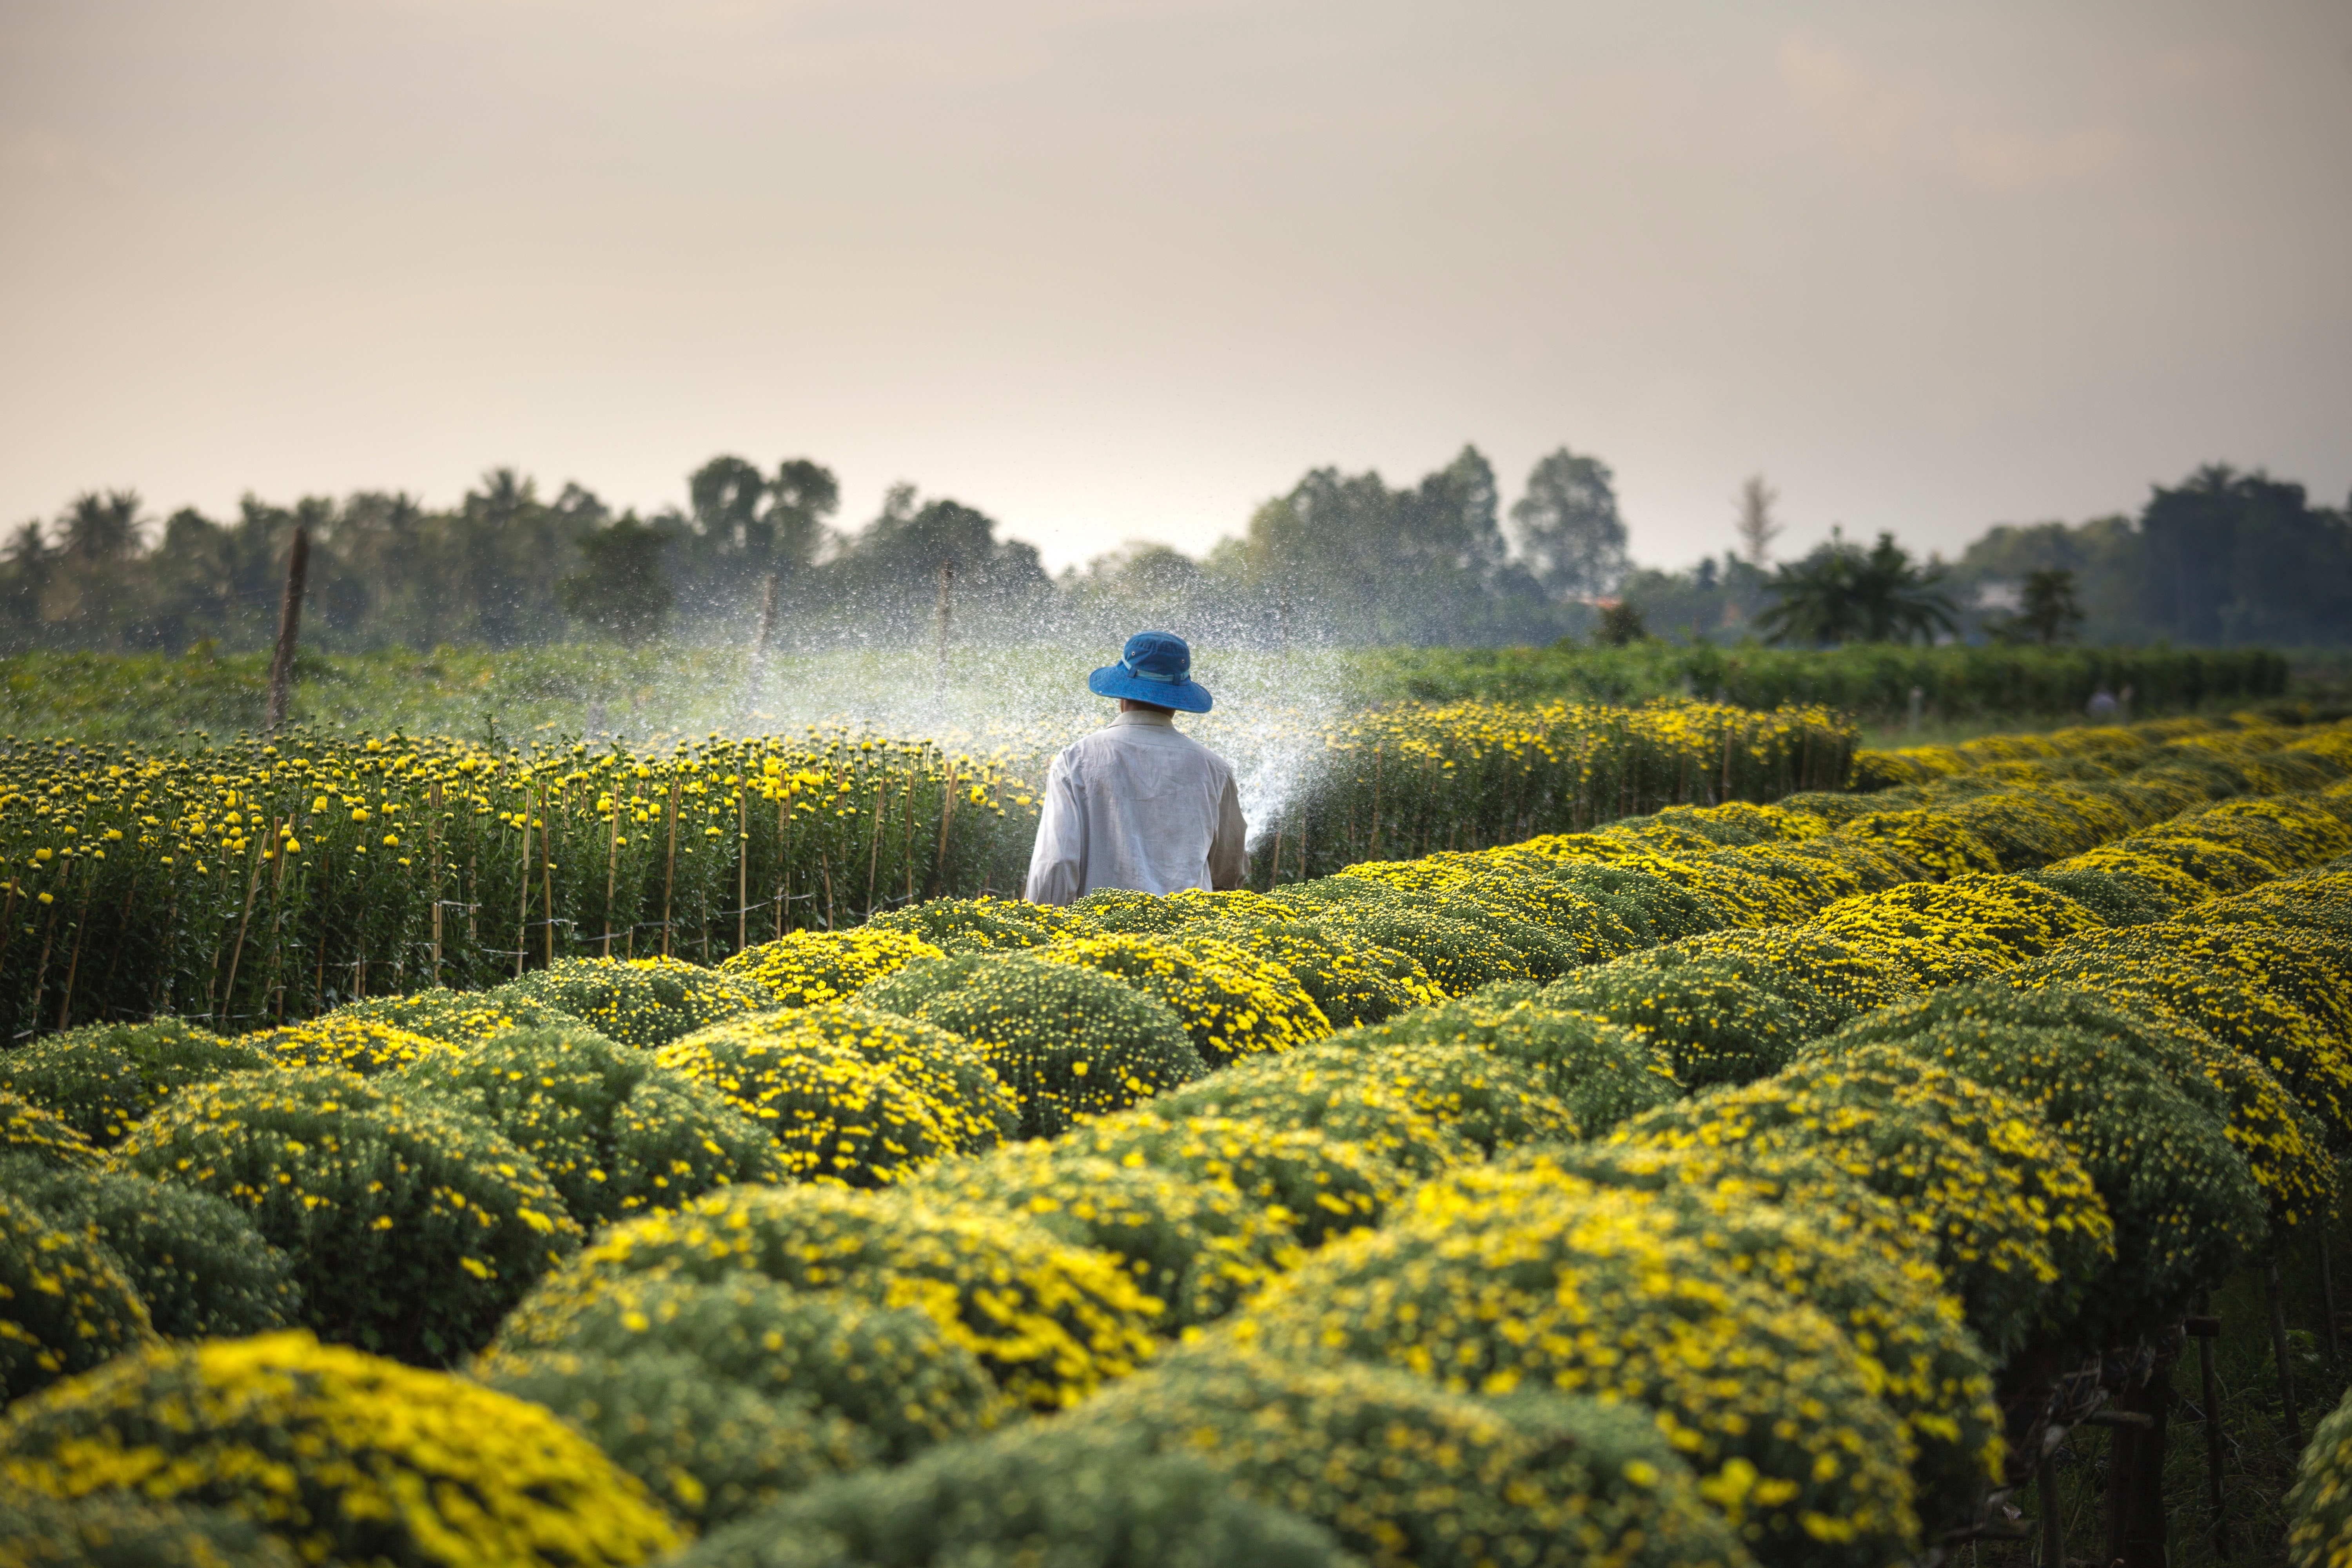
(196, 1262)
(64, 1304)
(610, 1129)
(644, 1001)
(101, 1078)
(412, 1228)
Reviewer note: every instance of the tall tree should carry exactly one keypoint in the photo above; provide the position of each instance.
(618, 594)
(1568, 527)
(1757, 525)
(1842, 592)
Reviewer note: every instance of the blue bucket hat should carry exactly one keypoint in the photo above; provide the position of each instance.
(1155, 668)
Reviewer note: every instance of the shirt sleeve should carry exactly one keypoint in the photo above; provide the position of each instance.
(1057, 866)
(1228, 861)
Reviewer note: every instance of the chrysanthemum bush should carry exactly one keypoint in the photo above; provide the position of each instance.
(1387, 1100)
(413, 1227)
(833, 1116)
(1794, 1230)
(2319, 1508)
(2284, 1146)
(116, 1530)
(804, 968)
(1718, 1027)
(35, 1133)
(197, 1264)
(454, 1017)
(1595, 1071)
(1404, 1473)
(708, 1450)
(2186, 1209)
(1233, 1004)
(1317, 1186)
(1349, 978)
(638, 1002)
(1050, 1322)
(65, 1303)
(612, 1129)
(975, 925)
(973, 1108)
(1461, 944)
(890, 1372)
(1196, 1246)
(344, 1455)
(361, 1045)
(1067, 1040)
(2018, 1230)
(1499, 1280)
(1040, 1494)
(101, 1078)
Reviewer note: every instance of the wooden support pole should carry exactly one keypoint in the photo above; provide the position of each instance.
(946, 626)
(2144, 1542)
(2207, 1329)
(755, 679)
(2327, 1291)
(2279, 1353)
(289, 626)
(2053, 1520)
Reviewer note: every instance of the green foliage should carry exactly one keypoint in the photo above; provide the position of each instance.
(975, 925)
(194, 1259)
(114, 1530)
(1068, 1041)
(610, 1130)
(1720, 1026)
(1194, 1245)
(1040, 1495)
(455, 1017)
(1050, 1322)
(345, 1457)
(2319, 1532)
(102, 1077)
(1843, 594)
(1319, 1186)
(2186, 1208)
(710, 1451)
(1498, 1281)
(64, 1304)
(890, 1372)
(1599, 1072)
(28, 1129)
(1234, 1003)
(1351, 979)
(412, 1228)
(1405, 1474)
(619, 594)
(1373, 1097)
(2019, 1232)
(971, 1106)
(834, 1116)
(644, 1001)
(2283, 1144)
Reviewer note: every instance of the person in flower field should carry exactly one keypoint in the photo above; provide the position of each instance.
(1139, 803)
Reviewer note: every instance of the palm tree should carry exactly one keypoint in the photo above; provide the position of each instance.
(1842, 592)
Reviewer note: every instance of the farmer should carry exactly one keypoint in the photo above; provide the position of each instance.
(1136, 804)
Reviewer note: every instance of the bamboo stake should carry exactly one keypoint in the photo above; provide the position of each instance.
(785, 860)
(742, 873)
(547, 875)
(947, 815)
(2212, 1421)
(228, 992)
(290, 625)
(874, 855)
(2279, 1350)
(432, 850)
(81, 928)
(523, 902)
(2328, 1289)
(669, 874)
(612, 871)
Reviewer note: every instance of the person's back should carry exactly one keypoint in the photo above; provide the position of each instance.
(1139, 804)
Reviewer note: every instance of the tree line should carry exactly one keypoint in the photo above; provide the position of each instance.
(2224, 559)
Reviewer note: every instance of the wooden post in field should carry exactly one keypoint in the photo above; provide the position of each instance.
(289, 626)
(765, 639)
(946, 624)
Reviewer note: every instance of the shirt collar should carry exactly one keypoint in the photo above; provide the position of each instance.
(1138, 716)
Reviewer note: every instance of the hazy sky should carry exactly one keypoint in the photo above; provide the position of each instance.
(1111, 268)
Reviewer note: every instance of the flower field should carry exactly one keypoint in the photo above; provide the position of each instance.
(270, 882)
(1753, 1182)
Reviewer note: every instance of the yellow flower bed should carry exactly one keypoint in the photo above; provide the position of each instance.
(340, 1454)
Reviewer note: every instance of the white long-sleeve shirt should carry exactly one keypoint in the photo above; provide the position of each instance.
(1137, 805)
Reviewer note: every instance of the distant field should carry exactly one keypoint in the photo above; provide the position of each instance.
(673, 690)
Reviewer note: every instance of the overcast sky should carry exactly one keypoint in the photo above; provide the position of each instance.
(1118, 269)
